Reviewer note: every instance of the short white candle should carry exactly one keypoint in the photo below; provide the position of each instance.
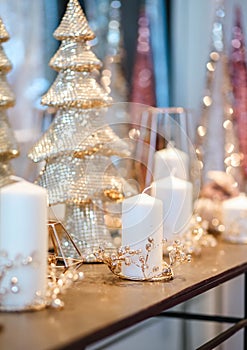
(176, 195)
(23, 233)
(169, 161)
(141, 219)
(234, 218)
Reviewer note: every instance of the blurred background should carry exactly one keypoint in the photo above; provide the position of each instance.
(160, 50)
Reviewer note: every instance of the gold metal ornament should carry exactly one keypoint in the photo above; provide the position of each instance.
(127, 256)
(58, 234)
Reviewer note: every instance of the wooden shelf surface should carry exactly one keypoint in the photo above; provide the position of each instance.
(103, 304)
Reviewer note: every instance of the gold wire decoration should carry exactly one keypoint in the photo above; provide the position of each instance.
(127, 256)
(58, 283)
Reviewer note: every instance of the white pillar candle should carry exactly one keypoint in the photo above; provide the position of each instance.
(23, 237)
(176, 195)
(141, 220)
(169, 161)
(234, 218)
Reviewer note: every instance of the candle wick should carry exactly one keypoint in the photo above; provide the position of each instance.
(147, 188)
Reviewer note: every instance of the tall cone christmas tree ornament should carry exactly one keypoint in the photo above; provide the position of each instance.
(238, 70)
(217, 124)
(143, 85)
(8, 144)
(113, 78)
(79, 142)
(217, 143)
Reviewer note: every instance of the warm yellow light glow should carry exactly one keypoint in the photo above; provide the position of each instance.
(227, 124)
(207, 100)
(201, 130)
(229, 147)
(235, 159)
(214, 56)
(210, 66)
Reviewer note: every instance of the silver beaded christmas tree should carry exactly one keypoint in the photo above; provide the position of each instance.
(8, 144)
(78, 145)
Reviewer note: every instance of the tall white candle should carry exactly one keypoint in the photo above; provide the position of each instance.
(169, 161)
(176, 195)
(234, 218)
(142, 219)
(23, 237)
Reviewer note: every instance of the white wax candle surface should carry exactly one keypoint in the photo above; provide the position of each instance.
(141, 219)
(23, 233)
(176, 195)
(169, 161)
(234, 218)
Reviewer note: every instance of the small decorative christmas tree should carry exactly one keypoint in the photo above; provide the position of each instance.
(113, 78)
(217, 128)
(8, 144)
(217, 145)
(78, 144)
(238, 70)
(143, 84)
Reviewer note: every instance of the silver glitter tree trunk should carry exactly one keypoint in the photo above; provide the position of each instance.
(86, 225)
